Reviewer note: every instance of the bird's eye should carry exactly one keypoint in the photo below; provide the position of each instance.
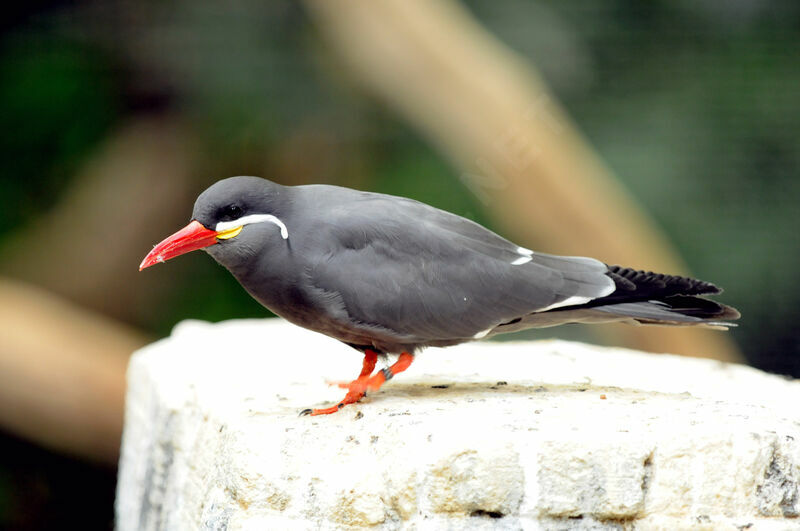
(230, 212)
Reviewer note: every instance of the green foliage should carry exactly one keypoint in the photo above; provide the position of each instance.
(411, 169)
(57, 101)
(198, 288)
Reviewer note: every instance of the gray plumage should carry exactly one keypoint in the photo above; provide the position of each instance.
(393, 274)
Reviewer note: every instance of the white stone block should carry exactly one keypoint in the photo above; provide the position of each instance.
(489, 435)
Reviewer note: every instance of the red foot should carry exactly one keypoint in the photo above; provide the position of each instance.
(359, 387)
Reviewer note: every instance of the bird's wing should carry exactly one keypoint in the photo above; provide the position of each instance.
(428, 275)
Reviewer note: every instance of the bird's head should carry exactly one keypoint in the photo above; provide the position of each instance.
(233, 220)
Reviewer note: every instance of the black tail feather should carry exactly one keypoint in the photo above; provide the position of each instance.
(649, 285)
(655, 298)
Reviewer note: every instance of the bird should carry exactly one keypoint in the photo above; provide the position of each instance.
(389, 275)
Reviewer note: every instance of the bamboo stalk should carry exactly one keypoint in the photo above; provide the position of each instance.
(62, 372)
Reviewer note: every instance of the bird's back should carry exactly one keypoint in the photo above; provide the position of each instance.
(417, 275)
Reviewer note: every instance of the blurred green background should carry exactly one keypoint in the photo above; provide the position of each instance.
(694, 105)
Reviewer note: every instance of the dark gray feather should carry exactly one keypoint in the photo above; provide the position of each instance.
(429, 276)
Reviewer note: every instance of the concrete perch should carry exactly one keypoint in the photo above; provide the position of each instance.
(500, 435)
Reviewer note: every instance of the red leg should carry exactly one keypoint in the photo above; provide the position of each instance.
(374, 382)
(370, 359)
(358, 387)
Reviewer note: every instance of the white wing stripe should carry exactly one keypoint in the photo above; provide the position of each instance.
(570, 301)
(483, 333)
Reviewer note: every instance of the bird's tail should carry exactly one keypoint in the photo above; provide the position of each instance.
(675, 311)
(652, 298)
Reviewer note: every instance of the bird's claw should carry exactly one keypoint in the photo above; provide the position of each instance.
(357, 389)
(325, 411)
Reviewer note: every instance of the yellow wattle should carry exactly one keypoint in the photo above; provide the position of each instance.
(230, 233)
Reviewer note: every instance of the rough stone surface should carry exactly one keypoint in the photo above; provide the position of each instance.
(509, 435)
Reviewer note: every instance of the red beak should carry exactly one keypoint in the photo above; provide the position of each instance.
(192, 237)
